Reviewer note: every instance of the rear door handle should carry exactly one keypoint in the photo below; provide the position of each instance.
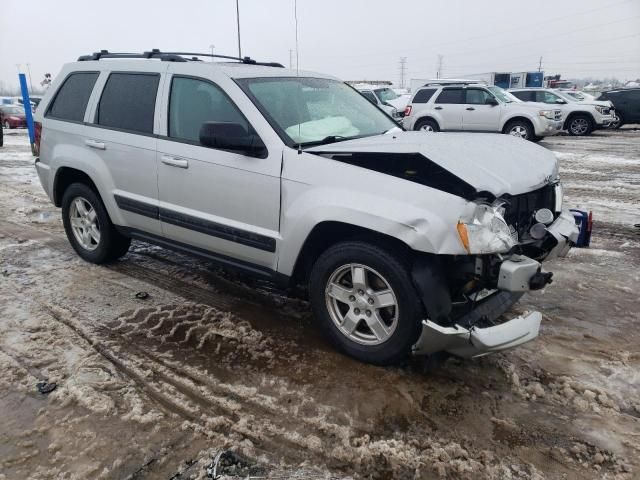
(95, 144)
(438, 108)
(174, 161)
(470, 108)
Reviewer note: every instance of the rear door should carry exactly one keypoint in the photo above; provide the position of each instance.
(478, 115)
(448, 108)
(221, 201)
(121, 134)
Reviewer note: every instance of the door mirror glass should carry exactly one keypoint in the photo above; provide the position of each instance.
(231, 136)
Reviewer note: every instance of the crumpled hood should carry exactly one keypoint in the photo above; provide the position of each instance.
(500, 164)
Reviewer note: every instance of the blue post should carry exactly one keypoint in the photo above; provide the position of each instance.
(27, 108)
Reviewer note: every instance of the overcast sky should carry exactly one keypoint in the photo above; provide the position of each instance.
(350, 39)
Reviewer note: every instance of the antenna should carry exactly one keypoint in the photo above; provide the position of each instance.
(295, 15)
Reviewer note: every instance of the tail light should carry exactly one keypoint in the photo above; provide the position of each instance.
(407, 111)
(35, 148)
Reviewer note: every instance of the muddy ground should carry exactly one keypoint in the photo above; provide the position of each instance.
(153, 388)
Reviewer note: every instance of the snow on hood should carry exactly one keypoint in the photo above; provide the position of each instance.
(500, 164)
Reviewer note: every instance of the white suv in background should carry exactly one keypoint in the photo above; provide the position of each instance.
(383, 97)
(581, 117)
(476, 107)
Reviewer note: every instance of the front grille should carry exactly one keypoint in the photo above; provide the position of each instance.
(519, 209)
(557, 114)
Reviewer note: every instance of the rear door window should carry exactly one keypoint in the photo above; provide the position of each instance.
(72, 98)
(526, 96)
(547, 97)
(128, 102)
(424, 95)
(450, 95)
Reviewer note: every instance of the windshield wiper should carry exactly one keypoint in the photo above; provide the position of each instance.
(326, 140)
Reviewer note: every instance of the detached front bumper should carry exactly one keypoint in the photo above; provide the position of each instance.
(476, 342)
(517, 274)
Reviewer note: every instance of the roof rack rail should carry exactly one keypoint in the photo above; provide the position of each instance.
(445, 82)
(173, 57)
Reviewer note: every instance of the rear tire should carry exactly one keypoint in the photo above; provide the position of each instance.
(521, 129)
(580, 125)
(427, 125)
(88, 226)
(349, 286)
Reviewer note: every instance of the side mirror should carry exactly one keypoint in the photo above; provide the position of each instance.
(231, 136)
(491, 101)
(561, 101)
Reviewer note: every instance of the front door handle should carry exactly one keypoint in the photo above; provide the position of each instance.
(174, 161)
(470, 108)
(438, 108)
(95, 144)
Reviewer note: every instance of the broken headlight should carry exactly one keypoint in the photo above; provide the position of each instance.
(486, 231)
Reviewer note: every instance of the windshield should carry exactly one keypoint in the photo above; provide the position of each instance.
(503, 95)
(566, 96)
(14, 110)
(576, 95)
(386, 94)
(311, 111)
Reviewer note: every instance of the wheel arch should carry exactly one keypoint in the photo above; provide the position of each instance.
(572, 115)
(64, 177)
(328, 233)
(518, 117)
(423, 118)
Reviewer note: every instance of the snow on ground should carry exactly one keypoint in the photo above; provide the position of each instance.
(156, 388)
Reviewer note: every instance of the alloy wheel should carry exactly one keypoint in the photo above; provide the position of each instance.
(362, 304)
(427, 128)
(84, 223)
(579, 126)
(519, 131)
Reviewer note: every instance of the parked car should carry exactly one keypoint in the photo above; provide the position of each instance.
(476, 107)
(581, 116)
(627, 104)
(405, 242)
(12, 116)
(383, 98)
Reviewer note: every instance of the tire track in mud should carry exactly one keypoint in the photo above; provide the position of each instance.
(271, 431)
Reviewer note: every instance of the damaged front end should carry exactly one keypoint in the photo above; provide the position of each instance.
(466, 295)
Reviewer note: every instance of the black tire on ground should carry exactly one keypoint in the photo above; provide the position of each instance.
(396, 271)
(427, 124)
(616, 125)
(522, 126)
(112, 244)
(580, 125)
(536, 139)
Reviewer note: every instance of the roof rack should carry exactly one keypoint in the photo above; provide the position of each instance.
(457, 81)
(173, 57)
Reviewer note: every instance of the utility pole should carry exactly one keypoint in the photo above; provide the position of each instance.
(439, 68)
(238, 21)
(29, 72)
(403, 69)
(291, 58)
(540, 65)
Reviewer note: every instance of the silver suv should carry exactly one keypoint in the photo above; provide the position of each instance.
(405, 242)
(581, 117)
(475, 107)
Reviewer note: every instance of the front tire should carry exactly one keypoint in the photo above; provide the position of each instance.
(88, 226)
(364, 300)
(520, 128)
(580, 125)
(618, 122)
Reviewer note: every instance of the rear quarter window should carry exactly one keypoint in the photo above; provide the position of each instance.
(71, 99)
(424, 95)
(128, 102)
